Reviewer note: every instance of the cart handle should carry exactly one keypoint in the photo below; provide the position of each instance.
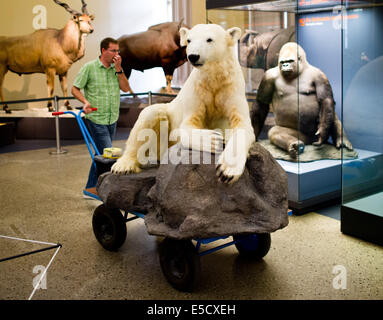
(63, 112)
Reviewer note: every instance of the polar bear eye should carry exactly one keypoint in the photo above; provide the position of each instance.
(188, 40)
(209, 40)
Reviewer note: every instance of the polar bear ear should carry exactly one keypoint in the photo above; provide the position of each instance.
(183, 36)
(233, 35)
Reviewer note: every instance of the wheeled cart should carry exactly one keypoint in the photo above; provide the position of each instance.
(179, 259)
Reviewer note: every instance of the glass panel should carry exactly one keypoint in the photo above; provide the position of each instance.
(316, 27)
(254, 23)
(265, 28)
(362, 179)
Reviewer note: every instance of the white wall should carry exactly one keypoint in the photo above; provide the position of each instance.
(127, 17)
(112, 18)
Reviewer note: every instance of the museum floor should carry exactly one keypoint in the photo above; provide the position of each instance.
(41, 199)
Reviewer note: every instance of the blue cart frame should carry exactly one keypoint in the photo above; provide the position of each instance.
(87, 137)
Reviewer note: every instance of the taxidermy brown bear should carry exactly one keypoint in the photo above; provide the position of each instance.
(302, 101)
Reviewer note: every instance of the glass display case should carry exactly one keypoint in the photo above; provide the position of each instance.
(362, 178)
(328, 31)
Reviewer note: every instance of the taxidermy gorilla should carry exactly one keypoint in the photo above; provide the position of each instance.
(304, 117)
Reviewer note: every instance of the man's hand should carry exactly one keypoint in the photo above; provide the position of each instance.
(117, 62)
(87, 108)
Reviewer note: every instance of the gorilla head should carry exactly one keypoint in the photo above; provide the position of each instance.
(292, 60)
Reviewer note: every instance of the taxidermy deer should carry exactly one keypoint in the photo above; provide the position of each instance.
(49, 51)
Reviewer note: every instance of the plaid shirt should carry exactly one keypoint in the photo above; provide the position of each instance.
(101, 89)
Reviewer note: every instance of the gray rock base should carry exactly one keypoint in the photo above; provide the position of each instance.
(189, 201)
(127, 192)
(186, 201)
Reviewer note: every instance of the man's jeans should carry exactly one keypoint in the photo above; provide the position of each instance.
(102, 136)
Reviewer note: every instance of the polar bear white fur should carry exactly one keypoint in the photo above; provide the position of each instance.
(213, 97)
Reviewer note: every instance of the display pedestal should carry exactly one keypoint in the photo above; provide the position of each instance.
(363, 218)
(7, 133)
(362, 205)
(129, 115)
(40, 124)
(312, 185)
(317, 184)
(131, 107)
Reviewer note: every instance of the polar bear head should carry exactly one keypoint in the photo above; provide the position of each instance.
(208, 43)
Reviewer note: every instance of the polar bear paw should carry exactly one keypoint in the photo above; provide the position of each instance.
(125, 166)
(229, 171)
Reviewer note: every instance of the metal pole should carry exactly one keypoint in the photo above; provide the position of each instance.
(58, 145)
(150, 97)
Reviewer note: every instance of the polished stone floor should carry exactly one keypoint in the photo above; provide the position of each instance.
(41, 200)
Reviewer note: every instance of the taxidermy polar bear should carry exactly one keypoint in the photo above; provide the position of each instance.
(211, 101)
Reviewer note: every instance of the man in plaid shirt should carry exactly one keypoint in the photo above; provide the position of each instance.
(101, 79)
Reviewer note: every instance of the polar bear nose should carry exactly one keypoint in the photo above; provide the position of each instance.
(193, 58)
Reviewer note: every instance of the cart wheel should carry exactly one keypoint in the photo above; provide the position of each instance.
(254, 246)
(109, 227)
(180, 263)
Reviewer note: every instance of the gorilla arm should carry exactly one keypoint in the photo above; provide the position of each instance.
(261, 106)
(326, 106)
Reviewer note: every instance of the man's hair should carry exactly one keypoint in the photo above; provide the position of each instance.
(105, 43)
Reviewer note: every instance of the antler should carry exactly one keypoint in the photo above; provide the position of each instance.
(67, 8)
(180, 23)
(83, 8)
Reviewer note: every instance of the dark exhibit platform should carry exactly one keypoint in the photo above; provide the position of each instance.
(131, 107)
(39, 124)
(363, 218)
(362, 199)
(7, 133)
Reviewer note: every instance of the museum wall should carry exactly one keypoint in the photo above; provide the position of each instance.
(112, 18)
(192, 13)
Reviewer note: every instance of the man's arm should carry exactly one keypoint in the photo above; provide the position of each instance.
(124, 82)
(80, 97)
(122, 79)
